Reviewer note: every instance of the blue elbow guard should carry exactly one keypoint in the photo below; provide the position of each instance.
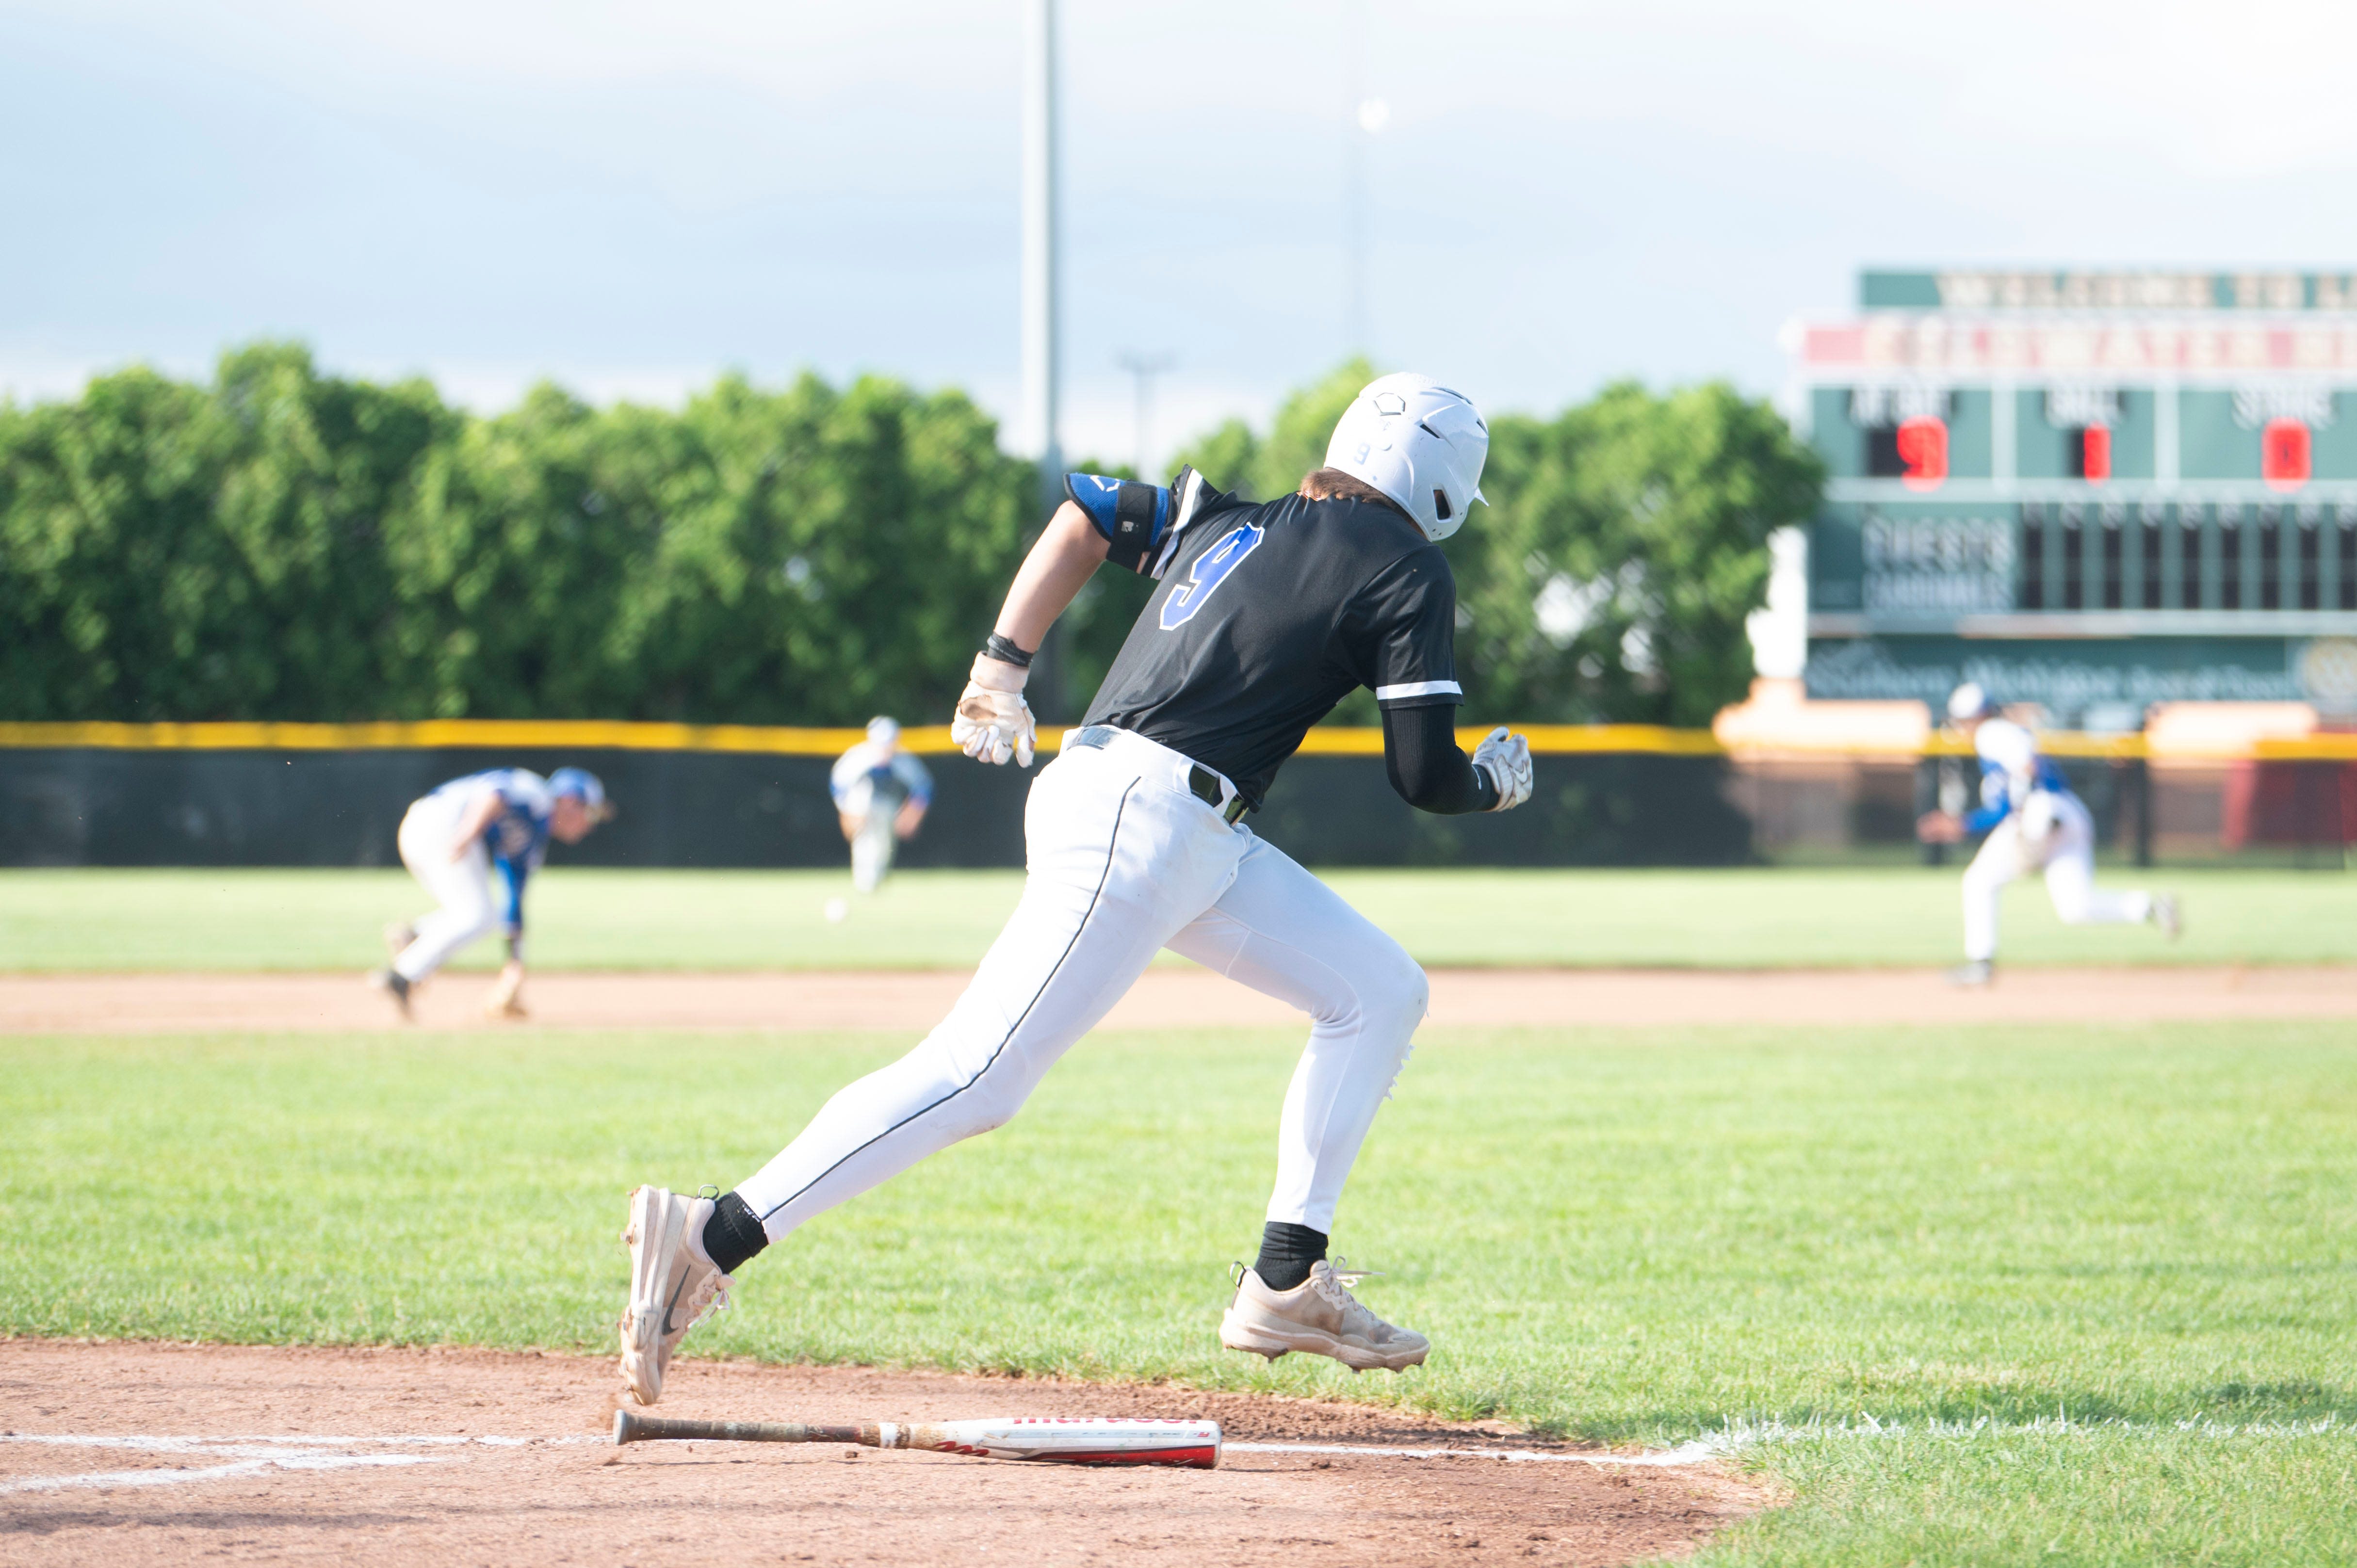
(1132, 515)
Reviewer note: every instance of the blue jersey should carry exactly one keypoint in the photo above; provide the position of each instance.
(2012, 772)
(517, 838)
(890, 775)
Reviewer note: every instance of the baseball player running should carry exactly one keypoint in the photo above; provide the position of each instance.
(2033, 823)
(880, 795)
(1267, 616)
(452, 841)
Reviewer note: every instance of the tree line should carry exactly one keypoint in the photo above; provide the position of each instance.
(285, 544)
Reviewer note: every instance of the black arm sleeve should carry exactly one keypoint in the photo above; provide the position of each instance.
(1421, 753)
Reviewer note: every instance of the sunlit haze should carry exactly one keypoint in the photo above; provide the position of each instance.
(629, 197)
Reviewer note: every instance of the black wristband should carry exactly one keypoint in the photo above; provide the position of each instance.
(1005, 650)
(1486, 793)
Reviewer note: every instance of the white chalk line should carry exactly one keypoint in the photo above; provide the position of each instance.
(109, 1481)
(162, 1444)
(1740, 1434)
(1690, 1453)
(257, 1454)
(252, 1456)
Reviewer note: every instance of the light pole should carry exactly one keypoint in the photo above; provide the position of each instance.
(1362, 117)
(1040, 303)
(1144, 368)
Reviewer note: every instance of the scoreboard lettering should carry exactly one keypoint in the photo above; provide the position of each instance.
(2115, 466)
(2160, 290)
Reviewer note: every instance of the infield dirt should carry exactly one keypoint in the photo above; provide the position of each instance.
(405, 1456)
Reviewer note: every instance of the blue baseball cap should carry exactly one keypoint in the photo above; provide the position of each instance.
(583, 786)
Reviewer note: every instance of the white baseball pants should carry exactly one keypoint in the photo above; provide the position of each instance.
(2067, 853)
(872, 846)
(462, 888)
(1124, 860)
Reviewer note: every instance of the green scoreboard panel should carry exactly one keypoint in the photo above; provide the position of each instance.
(2092, 491)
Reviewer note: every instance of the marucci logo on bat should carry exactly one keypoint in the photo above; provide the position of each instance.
(1210, 569)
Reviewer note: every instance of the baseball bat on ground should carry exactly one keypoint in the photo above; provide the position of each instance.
(1093, 1440)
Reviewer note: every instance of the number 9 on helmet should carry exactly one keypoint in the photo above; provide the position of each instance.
(1418, 443)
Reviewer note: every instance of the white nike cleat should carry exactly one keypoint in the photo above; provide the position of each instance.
(1318, 1316)
(674, 1286)
(1974, 976)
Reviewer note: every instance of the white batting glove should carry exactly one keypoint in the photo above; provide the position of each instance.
(992, 720)
(1506, 758)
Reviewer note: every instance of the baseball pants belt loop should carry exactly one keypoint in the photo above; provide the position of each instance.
(1201, 782)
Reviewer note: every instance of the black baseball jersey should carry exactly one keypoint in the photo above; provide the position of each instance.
(1267, 617)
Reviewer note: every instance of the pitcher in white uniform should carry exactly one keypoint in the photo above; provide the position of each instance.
(2034, 824)
(881, 794)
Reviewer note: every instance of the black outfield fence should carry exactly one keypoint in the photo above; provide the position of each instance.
(1587, 808)
(1608, 795)
(321, 795)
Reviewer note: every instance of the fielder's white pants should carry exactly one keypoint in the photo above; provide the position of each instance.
(872, 846)
(462, 888)
(2066, 851)
(1124, 861)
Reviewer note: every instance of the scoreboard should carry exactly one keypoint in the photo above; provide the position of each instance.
(2092, 491)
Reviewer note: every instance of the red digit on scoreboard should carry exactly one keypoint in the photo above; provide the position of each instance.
(2284, 454)
(2096, 454)
(1924, 449)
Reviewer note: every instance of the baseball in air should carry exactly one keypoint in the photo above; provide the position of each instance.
(836, 909)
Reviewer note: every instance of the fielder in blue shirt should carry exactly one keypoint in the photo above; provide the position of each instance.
(881, 793)
(2035, 825)
(455, 839)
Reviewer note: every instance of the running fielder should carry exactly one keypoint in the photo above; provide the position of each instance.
(880, 795)
(454, 839)
(1267, 616)
(2033, 823)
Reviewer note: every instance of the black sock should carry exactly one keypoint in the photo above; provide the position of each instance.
(1286, 1251)
(733, 1233)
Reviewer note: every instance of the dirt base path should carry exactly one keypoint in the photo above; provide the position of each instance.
(914, 1001)
(131, 1454)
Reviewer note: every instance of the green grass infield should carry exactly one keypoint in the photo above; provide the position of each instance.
(583, 919)
(2068, 1295)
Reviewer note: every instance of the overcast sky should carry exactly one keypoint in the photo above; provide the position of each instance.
(631, 197)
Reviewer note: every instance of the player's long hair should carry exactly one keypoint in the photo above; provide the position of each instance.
(1333, 485)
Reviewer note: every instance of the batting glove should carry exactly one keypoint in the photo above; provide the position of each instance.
(992, 720)
(1506, 758)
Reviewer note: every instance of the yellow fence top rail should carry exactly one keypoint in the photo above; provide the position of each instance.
(617, 734)
(620, 734)
(427, 734)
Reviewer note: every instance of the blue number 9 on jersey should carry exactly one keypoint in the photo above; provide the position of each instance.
(1210, 569)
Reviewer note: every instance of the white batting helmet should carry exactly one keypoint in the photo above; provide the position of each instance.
(1418, 443)
(1969, 702)
(884, 732)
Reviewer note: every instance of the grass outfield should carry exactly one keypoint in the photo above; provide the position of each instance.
(247, 919)
(2094, 1288)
